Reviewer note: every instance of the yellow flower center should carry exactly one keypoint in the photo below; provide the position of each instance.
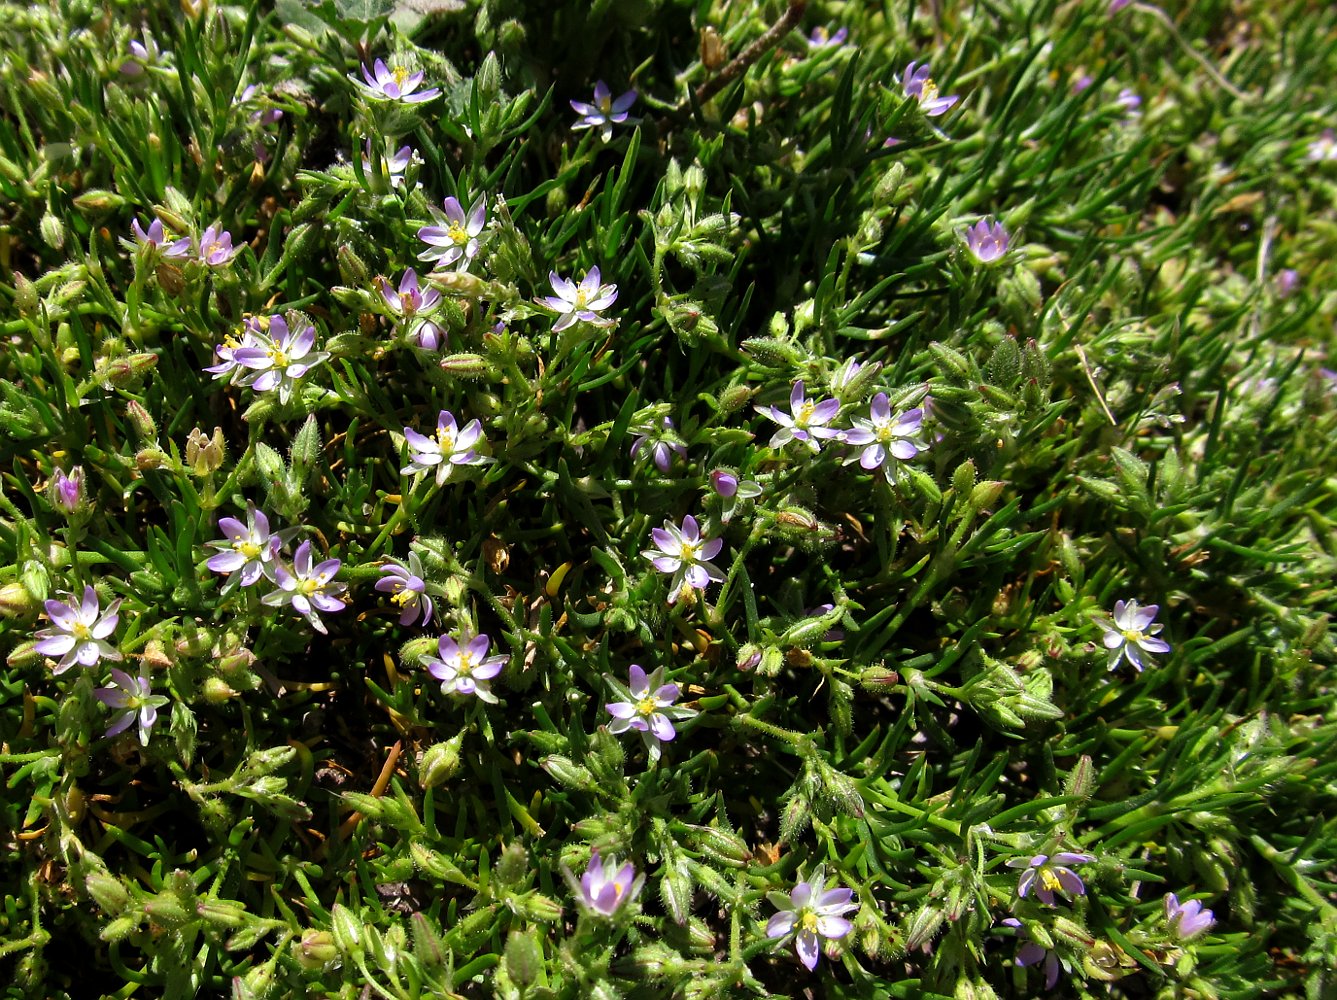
(804, 413)
(231, 342)
(278, 357)
(404, 597)
(646, 706)
(213, 248)
(400, 74)
(929, 92)
(582, 297)
(1049, 879)
(81, 632)
(445, 440)
(808, 921)
(1133, 635)
(467, 664)
(457, 233)
(247, 548)
(312, 584)
(688, 551)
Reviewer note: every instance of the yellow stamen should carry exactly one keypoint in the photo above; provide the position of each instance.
(647, 706)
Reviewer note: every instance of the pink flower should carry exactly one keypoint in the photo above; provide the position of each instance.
(467, 669)
(398, 84)
(606, 888)
(79, 632)
(814, 912)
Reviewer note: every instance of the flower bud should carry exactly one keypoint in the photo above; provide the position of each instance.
(66, 492)
(52, 231)
(461, 282)
(25, 295)
(204, 455)
(749, 657)
(735, 398)
(140, 419)
(523, 957)
(316, 950)
(877, 677)
(963, 479)
(985, 493)
(97, 200)
(107, 891)
(148, 459)
(351, 268)
(465, 365)
(440, 762)
(217, 691)
(16, 602)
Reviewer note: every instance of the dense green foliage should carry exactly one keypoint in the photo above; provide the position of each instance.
(896, 676)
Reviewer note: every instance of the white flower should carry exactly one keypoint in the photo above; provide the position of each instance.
(584, 301)
(465, 670)
(1132, 633)
(452, 446)
(79, 632)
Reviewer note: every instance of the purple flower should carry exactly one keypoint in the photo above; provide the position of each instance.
(686, 555)
(465, 669)
(731, 490)
(987, 240)
(228, 366)
(1132, 633)
(262, 115)
(584, 301)
(407, 589)
(278, 357)
(1187, 920)
(821, 38)
(1052, 874)
(396, 163)
(605, 112)
(882, 434)
(67, 492)
(215, 247)
(1287, 282)
(814, 912)
(454, 240)
(1032, 953)
(1129, 101)
(451, 447)
(660, 445)
(79, 632)
(806, 421)
(648, 707)
(397, 84)
(1324, 147)
(917, 83)
(249, 550)
(412, 305)
(1114, 7)
(307, 588)
(135, 698)
(143, 55)
(606, 888)
(155, 241)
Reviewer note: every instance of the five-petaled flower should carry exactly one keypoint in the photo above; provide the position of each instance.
(605, 887)
(1132, 633)
(398, 84)
(465, 669)
(307, 588)
(1052, 875)
(649, 709)
(686, 555)
(135, 699)
(228, 366)
(452, 447)
(1324, 147)
(815, 912)
(1034, 953)
(412, 305)
(396, 163)
(215, 246)
(155, 241)
(605, 112)
(79, 631)
(987, 240)
(1186, 920)
(584, 301)
(278, 357)
(249, 551)
(823, 38)
(918, 83)
(407, 589)
(807, 421)
(454, 240)
(660, 443)
(882, 434)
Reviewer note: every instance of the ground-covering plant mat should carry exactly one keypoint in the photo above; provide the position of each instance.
(668, 498)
